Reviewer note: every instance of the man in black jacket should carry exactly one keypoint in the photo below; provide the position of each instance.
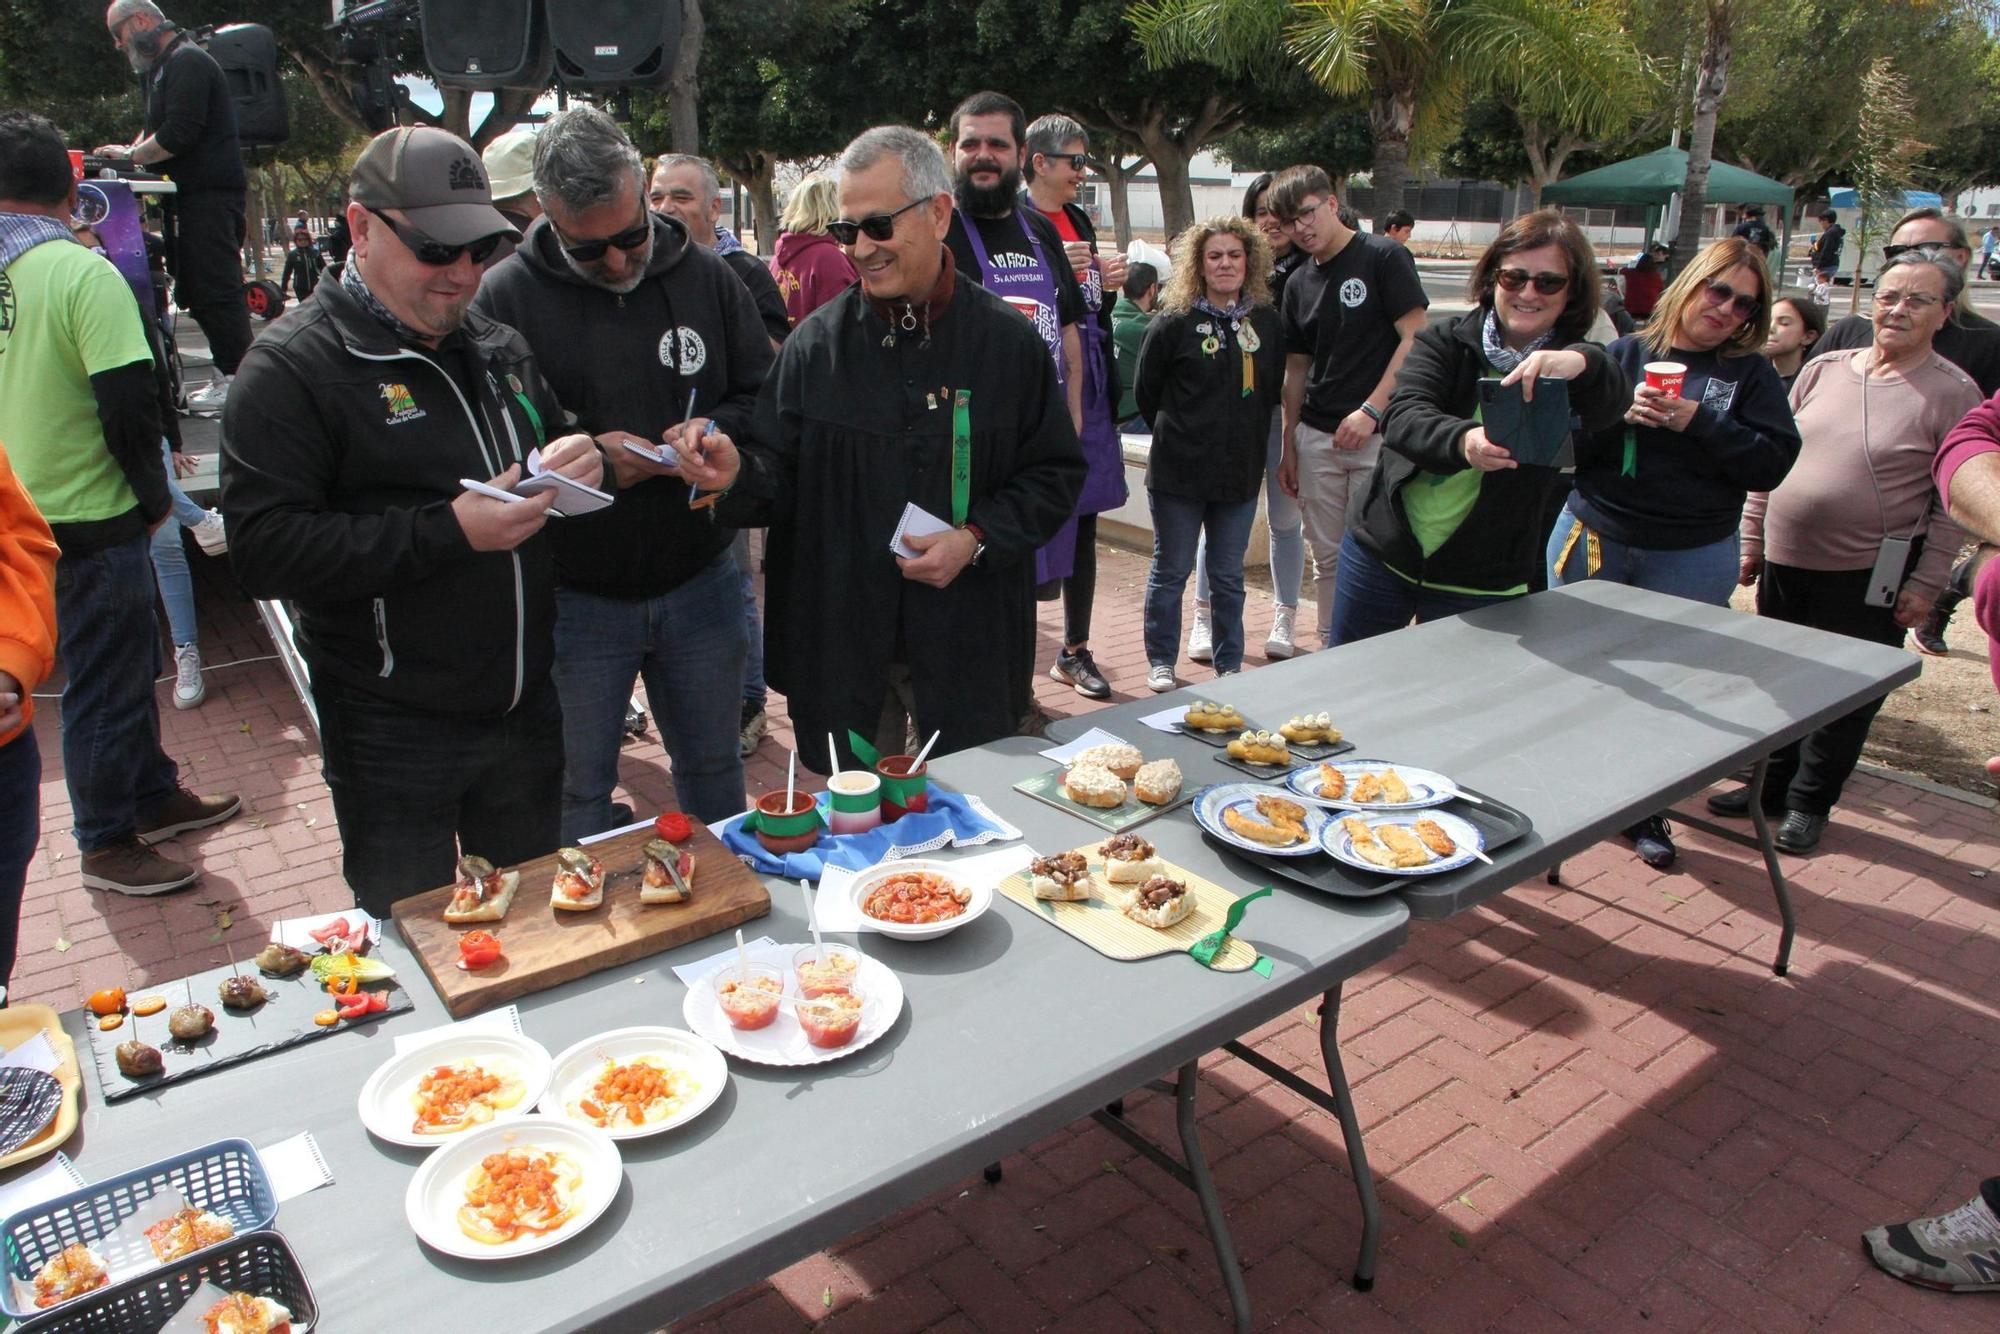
(425, 611)
(190, 137)
(648, 587)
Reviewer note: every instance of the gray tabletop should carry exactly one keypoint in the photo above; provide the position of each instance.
(1587, 708)
(1012, 1029)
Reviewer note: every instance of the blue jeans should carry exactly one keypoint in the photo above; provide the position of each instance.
(1371, 599)
(1288, 537)
(109, 646)
(1705, 574)
(170, 562)
(754, 689)
(1178, 527)
(688, 645)
(20, 827)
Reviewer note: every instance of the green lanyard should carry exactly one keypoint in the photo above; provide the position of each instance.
(961, 456)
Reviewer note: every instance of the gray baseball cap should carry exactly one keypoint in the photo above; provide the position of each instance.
(435, 178)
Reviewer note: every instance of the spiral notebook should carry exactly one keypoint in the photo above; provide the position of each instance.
(916, 522)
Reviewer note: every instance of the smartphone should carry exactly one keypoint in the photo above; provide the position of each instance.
(1891, 559)
(1536, 431)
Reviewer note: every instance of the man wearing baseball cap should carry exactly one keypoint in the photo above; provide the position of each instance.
(510, 163)
(425, 611)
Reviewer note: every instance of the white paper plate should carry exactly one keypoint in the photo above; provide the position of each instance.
(1426, 788)
(784, 1042)
(577, 1068)
(385, 1103)
(1212, 801)
(1463, 832)
(863, 883)
(438, 1189)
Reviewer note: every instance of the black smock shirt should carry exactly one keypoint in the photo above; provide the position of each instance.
(854, 423)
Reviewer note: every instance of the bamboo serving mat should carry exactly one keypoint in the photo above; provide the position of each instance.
(1099, 923)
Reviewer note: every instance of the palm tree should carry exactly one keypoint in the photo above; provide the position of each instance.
(1568, 61)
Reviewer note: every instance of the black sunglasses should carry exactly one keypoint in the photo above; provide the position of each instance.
(1927, 249)
(1548, 284)
(436, 253)
(878, 226)
(583, 252)
(1077, 161)
(1721, 293)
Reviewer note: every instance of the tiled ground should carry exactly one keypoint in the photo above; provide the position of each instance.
(1589, 1106)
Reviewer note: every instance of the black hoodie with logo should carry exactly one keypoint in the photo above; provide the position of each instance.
(626, 363)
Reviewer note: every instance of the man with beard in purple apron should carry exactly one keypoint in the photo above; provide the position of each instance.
(1016, 253)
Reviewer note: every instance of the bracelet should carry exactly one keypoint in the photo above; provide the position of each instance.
(1374, 414)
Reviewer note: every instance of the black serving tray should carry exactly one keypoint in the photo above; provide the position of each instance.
(1500, 823)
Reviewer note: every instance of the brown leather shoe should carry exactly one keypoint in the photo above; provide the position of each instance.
(182, 811)
(130, 867)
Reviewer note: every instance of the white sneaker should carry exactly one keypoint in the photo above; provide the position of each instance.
(189, 689)
(1160, 679)
(1280, 644)
(211, 535)
(1201, 639)
(211, 398)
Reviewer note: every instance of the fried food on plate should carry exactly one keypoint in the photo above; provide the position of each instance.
(1434, 837)
(1406, 849)
(1332, 783)
(1394, 789)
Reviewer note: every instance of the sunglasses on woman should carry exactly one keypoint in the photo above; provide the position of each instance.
(586, 252)
(1719, 293)
(1548, 284)
(1077, 161)
(876, 226)
(436, 253)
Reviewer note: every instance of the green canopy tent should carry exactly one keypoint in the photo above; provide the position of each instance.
(1655, 178)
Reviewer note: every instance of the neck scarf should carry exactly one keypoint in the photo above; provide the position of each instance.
(1498, 355)
(1236, 310)
(22, 232)
(725, 241)
(352, 283)
(906, 316)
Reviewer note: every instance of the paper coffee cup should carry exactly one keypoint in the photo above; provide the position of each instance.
(76, 164)
(1666, 376)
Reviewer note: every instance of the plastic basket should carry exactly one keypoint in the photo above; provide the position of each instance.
(225, 1178)
(259, 1263)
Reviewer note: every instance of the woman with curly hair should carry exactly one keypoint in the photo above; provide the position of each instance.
(1209, 375)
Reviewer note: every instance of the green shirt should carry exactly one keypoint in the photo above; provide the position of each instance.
(1436, 504)
(1128, 331)
(73, 316)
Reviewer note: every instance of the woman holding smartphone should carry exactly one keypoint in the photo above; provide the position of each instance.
(1659, 496)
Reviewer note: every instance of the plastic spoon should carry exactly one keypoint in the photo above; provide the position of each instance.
(819, 946)
(742, 960)
(833, 755)
(918, 763)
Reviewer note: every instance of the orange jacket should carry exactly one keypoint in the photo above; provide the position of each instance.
(27, 593)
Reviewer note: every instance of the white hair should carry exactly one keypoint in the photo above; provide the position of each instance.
(124, 9)
(711, 184)
(924, 173)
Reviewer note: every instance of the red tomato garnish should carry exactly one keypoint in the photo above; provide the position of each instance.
(673, 826)
(325, 933)
(477, 949)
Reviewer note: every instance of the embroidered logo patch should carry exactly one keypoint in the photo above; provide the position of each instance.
(681, 349)
(401, 403)
(1353, 292)
(466, 174)
(1718, 394)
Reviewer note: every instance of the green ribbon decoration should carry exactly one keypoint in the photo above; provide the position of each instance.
(863, 750)
(961, 457)
(1209, 946)
(541, 434)
(1631, 464)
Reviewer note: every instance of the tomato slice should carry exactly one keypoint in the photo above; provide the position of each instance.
(477, 949)
(338, 927)
(673, 826)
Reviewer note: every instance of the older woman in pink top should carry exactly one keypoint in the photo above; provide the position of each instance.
(1855, 539)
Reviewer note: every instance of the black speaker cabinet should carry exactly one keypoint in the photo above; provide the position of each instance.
(615, 43)
(486, 44)
(248, 54)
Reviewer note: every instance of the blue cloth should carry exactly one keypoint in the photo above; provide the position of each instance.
(950, 821)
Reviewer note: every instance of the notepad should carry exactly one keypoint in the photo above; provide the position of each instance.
(916, 522)
(572, 497)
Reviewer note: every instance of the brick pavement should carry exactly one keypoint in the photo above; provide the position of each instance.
(1589, 1106)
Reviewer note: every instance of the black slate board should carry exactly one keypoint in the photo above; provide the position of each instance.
(1264, 773)
(285, 1020)
(1500, 823)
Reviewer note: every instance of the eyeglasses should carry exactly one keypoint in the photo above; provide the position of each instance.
(1722, 294)
(878, 226)
(1923, 249)
(436, 253)
(583, 252)
(1077, 161)
(1548, 284)
(1304, 214)
(1909, 300)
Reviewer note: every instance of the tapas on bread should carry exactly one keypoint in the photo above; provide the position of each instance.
(1371, 785)
(579, 881)
(1063, 877)
(1159, 903)
(1128, 859)
(1093, 785)
(1117, 756)
(519, 1192)
(70, 1273)
(481, 894)
(1414, 843)
(246, 1313)
(1261, 748)
(668, 875)
(1254, 819)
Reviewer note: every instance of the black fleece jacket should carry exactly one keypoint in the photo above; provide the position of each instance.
(189, 111)
(626, 363)
(1498, 544)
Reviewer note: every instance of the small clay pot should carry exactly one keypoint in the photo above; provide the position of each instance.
(784, 829)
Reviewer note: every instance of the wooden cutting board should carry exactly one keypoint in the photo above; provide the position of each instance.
(546, 948)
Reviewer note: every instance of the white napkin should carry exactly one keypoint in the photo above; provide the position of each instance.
(1166, 720)
(1096, 736)
(506, 1020)
(37, 1053)
(297, 931)
(834, 906)
(57, 1176)
(295, 1166)
(691, 973)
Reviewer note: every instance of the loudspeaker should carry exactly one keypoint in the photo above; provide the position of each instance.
(486, 44)
(615, 43)
(248, 54)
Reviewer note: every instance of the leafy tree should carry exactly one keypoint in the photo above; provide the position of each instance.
(1885, 154)
(1337, 138)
